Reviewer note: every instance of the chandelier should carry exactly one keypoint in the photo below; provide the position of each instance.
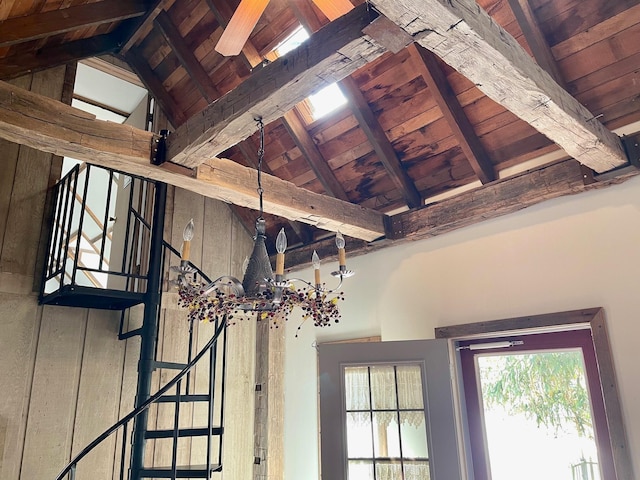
(272, 296)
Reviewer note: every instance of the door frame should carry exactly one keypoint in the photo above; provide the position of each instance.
(593, 318)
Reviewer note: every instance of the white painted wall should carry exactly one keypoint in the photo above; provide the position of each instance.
(570, 253)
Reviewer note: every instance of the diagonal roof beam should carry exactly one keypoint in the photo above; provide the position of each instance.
(295, 126)
(328, 56)
(51, 126)
(526, 18)
(186, 57)
(381, 144)
(427, 64)
(465, 37)
(40, 25)
(143, 25)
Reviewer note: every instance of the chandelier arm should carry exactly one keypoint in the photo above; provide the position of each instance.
(227, 280)
(333, 290)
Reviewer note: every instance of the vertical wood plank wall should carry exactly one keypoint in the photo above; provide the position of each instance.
(65, 376)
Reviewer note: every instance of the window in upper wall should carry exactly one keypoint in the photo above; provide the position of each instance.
(321, 103)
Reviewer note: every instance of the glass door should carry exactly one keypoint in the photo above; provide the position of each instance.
(387, 412)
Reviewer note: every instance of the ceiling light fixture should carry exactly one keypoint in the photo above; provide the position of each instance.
(273, 296)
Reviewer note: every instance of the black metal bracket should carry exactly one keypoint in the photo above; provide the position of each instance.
(159, 148)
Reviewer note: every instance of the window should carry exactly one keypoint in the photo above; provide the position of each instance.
(321, 103)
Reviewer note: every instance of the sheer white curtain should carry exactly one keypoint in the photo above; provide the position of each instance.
(377, 391)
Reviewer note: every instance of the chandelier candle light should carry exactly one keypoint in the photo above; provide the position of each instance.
(273, 296)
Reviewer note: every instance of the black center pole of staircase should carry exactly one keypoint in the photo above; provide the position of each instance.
(149, 327)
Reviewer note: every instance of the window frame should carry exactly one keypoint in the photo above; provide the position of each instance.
(594, 319)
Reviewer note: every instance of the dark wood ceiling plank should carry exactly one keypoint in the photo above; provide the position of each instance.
(54, 22)
(48, 57)
(328, 56)
(144, 25)
(465, 37)
(427, 64)
(526, 18)
(191, 64)
(380, 143)
(51, 126)
(296, 128)
(155, 87)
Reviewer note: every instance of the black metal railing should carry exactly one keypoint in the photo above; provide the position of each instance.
(100, 238)
(69, 470)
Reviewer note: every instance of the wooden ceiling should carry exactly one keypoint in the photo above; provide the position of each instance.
(413, 127)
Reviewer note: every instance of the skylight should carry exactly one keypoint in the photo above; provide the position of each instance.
(322, 102)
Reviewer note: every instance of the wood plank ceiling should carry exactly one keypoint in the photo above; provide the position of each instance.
(413, 126)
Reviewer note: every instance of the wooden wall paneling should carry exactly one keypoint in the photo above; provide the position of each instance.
(175, 331)
(99, 393)
(128, 378)
(25, 214)
(9, 154)
(54, 394)
(20, 320)
(216, 255)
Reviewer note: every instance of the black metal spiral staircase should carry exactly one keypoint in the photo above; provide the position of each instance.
(93, 264)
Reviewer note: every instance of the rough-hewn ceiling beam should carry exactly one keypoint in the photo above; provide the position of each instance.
(54, 22)
(466, 37)
(496, 199)
(296, 128)
(380, 143)
(186, 57)
(328, 56)
(427, 64)
(50, 126)
(526, 18)
(144, 25)
(21, 64)
(154, 85)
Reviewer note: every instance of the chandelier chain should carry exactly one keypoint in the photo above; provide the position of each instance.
(260, 159)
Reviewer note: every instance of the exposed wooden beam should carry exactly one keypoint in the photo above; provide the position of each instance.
(427, 64)
(187, 58)
(44, 124)
(465, 37)
(328, 56)
(306, 15)
(296, 128)
(380, 143)
(494, 200)
(223, 12)
(144, 25)
(48, 57)
(526, 18)
(155, 87)
(40, 25)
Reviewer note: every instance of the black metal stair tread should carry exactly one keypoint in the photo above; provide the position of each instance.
(168, 365)
(183, 432)
(187, 471)
(200, 397)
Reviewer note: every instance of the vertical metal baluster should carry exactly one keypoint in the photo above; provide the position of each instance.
(62, 253)
(190, 352)
(72, 472)
(56, 226)
(176, 426)
(126, 233)
(105, 224)
(73, 204)
(222, 386)
(212, 383)
(123, 454)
